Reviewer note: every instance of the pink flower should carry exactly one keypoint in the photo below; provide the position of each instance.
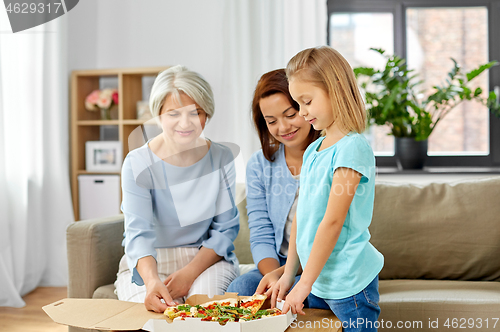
(93, 96)
(90, 106)
(91, 100)
(101, 99)
(115, 97)
(105, 98)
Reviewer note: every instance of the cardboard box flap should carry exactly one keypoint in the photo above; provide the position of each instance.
(102, 314)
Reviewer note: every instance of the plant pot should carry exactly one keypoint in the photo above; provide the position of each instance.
(410, 154)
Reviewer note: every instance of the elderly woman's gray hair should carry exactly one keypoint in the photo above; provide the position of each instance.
(180, 79)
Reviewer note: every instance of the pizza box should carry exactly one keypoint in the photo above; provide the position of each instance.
(115, 315)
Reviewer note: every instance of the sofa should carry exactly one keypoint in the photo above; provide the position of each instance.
(440, 241)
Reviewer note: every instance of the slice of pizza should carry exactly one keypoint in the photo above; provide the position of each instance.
(268, 313)
(261, 314)
(223, 303)
(180, 311)
(171, 312)
(254, 303)
(222, 311)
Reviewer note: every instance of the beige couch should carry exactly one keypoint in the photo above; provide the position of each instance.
(441, 244)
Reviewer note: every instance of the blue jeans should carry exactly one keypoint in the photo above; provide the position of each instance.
(358, 312)
(246, 284)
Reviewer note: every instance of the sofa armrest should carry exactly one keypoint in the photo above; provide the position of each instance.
(94, 251)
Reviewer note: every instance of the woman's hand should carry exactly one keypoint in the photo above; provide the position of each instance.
(155, 289)
(155, 292)
(281, 287)
(295, 299)
(268, 281)
(179, 282)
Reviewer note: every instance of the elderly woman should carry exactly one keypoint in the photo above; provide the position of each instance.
(178, 201)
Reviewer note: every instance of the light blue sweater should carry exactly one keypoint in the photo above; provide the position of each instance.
(167, 206)
(270, 194)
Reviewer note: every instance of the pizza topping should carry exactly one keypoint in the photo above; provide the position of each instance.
(249, 304)
(254, 303)
(224, 311)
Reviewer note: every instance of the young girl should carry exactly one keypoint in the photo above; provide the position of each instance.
(272, 180)
(330, 229)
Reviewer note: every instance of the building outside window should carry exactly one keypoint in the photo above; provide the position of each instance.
(428, 34)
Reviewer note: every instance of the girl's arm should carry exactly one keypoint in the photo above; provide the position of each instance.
(291, 267)
(344, 184)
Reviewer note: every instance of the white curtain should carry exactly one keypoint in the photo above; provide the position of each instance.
(260, 36)
(35, 201)
(305, 23)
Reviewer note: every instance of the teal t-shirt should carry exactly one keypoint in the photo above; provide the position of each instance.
(354, 262)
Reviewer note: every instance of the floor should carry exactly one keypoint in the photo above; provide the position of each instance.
(32, 317)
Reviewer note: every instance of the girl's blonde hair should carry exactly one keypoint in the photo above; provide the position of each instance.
(327, 68)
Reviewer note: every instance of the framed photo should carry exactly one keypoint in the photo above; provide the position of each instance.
(103, 156)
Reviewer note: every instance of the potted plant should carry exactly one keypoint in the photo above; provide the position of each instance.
(393, 99)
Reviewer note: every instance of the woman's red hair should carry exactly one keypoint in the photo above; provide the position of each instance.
(269, 84)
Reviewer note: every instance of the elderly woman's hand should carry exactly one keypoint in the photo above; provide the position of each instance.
(155, 293)
(179, 282)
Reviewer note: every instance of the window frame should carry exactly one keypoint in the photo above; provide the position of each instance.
(398, 9)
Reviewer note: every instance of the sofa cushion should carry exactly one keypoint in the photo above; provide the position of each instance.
(438, 231)
(428, 300)
(242, 242)
(105, 292)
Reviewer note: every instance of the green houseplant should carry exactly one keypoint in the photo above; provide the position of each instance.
(393, 98)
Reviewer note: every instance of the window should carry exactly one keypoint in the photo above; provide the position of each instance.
(427, 33)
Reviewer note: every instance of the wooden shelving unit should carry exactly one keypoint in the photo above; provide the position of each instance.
(85, 125)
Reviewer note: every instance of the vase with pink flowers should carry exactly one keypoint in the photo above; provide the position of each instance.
(102, 100)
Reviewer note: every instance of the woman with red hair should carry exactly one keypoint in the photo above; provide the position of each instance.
(273, 180)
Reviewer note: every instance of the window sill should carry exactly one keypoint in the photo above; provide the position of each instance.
(439, 170)
(434, 174)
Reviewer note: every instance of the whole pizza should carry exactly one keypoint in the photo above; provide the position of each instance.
(223, 311)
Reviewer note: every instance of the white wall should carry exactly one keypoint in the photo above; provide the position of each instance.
(133, 33)
(145, 33)
(82, 35)
(423, 179)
